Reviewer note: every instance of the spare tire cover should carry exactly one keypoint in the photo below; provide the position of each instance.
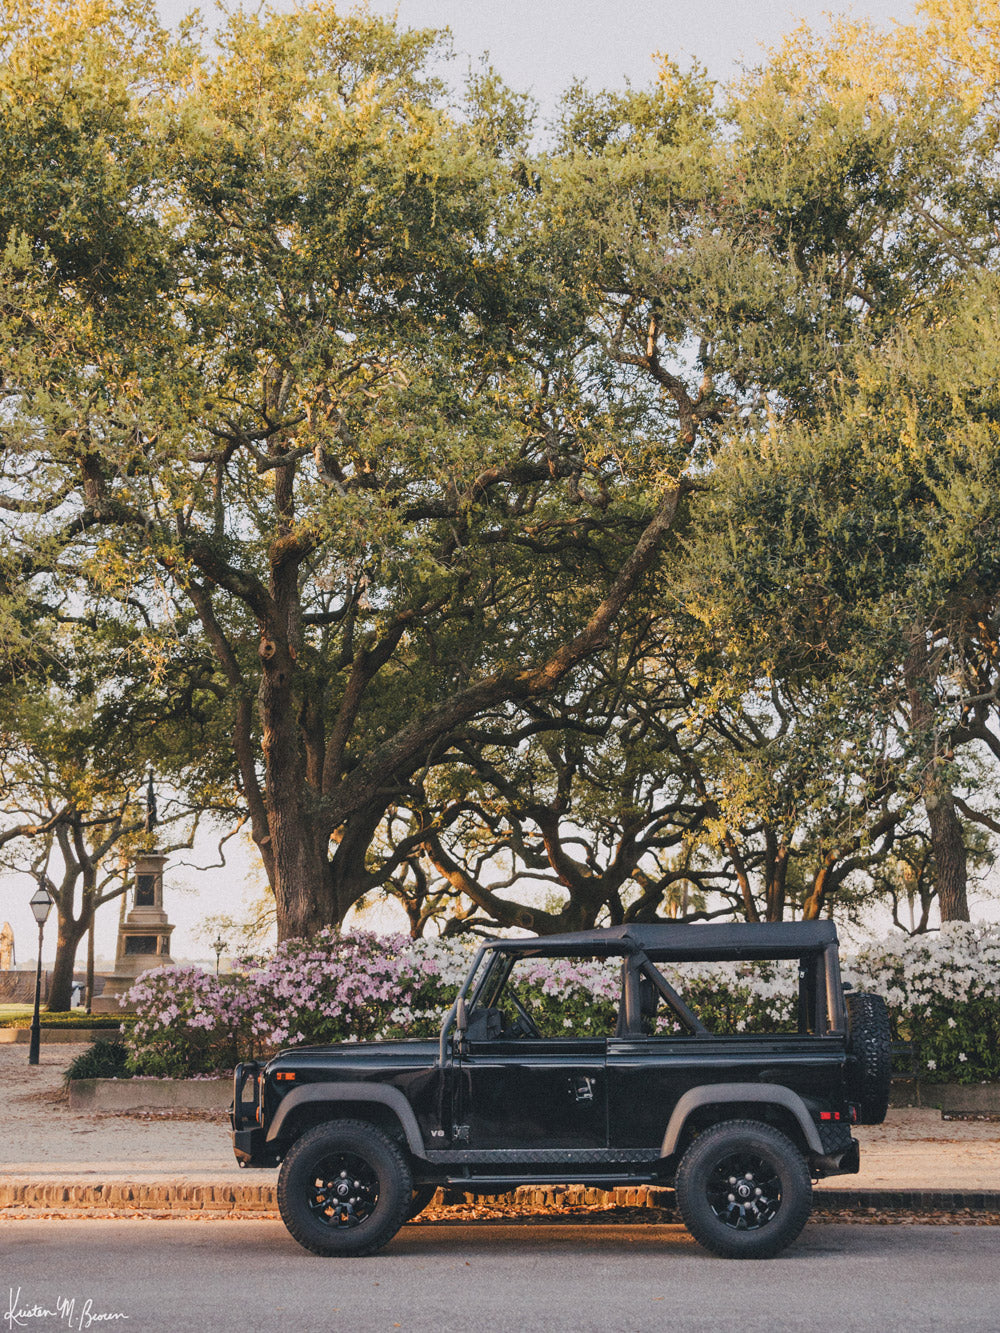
(869, 1041)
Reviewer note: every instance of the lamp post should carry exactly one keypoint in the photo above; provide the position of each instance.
(41, 906)
(218, 944)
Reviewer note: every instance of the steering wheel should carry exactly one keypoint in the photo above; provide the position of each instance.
(523, 1025)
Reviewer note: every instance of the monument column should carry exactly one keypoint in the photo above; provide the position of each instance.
(144, 933)
(143, 936)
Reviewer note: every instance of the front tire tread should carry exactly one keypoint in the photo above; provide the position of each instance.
(395, 1188)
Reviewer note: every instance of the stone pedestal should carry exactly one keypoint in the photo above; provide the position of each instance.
(143, 936)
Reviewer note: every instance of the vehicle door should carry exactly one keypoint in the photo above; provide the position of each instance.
(532, 1073)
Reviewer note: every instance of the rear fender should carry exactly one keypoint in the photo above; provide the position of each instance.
(773, 1094)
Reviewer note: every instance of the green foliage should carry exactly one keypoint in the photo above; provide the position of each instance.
(952, 1042)
(73, 1018)
(105, 1059)
(332, 411)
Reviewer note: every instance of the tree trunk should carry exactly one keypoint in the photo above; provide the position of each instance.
(815, 900)
(61, 989)
(777, 871)
(89, 996)
(947, 840)
(950, 859)
(298, 836)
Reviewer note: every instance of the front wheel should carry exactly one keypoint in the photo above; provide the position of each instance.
(344, 1188)
(743, 1190)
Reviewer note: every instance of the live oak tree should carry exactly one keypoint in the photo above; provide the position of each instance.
(870, 556)
(315, 376)
(850, 644)
(68, 813)
(866, 523)
(384, 439)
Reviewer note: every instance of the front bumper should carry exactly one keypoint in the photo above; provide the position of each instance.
(251, 1149)
(249, 1136)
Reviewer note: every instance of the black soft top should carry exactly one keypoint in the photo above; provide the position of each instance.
(667, 942)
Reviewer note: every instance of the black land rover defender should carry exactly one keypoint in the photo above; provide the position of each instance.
(739, 1124)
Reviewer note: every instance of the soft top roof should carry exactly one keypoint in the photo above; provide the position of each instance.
(667, 942)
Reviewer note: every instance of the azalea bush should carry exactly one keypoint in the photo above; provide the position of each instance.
(352, 987)
(187, 1022)
(568, 996)
(943, 993)
(334, 987)
(749, 996)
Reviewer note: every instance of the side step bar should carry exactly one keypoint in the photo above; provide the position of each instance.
(504, 1183)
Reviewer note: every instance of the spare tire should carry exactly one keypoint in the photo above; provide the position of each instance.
(869, 1041)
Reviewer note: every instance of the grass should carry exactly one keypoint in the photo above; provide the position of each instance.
(72, 1018)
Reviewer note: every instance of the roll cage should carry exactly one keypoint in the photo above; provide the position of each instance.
(820, 1010)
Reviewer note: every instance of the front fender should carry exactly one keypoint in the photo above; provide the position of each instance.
(335, 1093)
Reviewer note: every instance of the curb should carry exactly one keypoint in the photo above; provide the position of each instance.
(130, 1198)
(139, 1094)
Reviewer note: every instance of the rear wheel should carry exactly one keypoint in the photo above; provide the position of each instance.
(344, 1188)
(743, 1190)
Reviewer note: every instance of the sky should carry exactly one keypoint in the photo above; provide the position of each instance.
(542, 45)
(538, 46)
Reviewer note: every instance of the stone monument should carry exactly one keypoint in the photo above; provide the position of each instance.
(144, 933)
(6, 947)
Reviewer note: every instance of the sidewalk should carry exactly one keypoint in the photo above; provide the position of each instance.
(57, 1160)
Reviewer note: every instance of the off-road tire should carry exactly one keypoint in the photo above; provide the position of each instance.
(737, 1158)
(345, 1188)
(869, 1050)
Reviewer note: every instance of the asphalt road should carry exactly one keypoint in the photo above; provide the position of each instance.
(249, 1275)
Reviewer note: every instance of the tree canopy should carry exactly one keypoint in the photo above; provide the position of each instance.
(459, 503)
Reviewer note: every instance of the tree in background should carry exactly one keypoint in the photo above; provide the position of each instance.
(608, 509)
(352, 430)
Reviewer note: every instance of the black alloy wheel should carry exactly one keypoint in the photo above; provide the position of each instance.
(344, 1191)
(743, 1190)
(344, 1188)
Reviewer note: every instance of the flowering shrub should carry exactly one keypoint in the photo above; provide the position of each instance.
(575, 997)
(354, 987)
(188, 1022)
(943, 993)
(740, 997)
(351, 987)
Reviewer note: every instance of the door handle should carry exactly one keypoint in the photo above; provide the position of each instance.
(583, 1089)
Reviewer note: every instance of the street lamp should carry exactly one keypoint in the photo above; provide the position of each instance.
(41, 906)
(218, 944)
